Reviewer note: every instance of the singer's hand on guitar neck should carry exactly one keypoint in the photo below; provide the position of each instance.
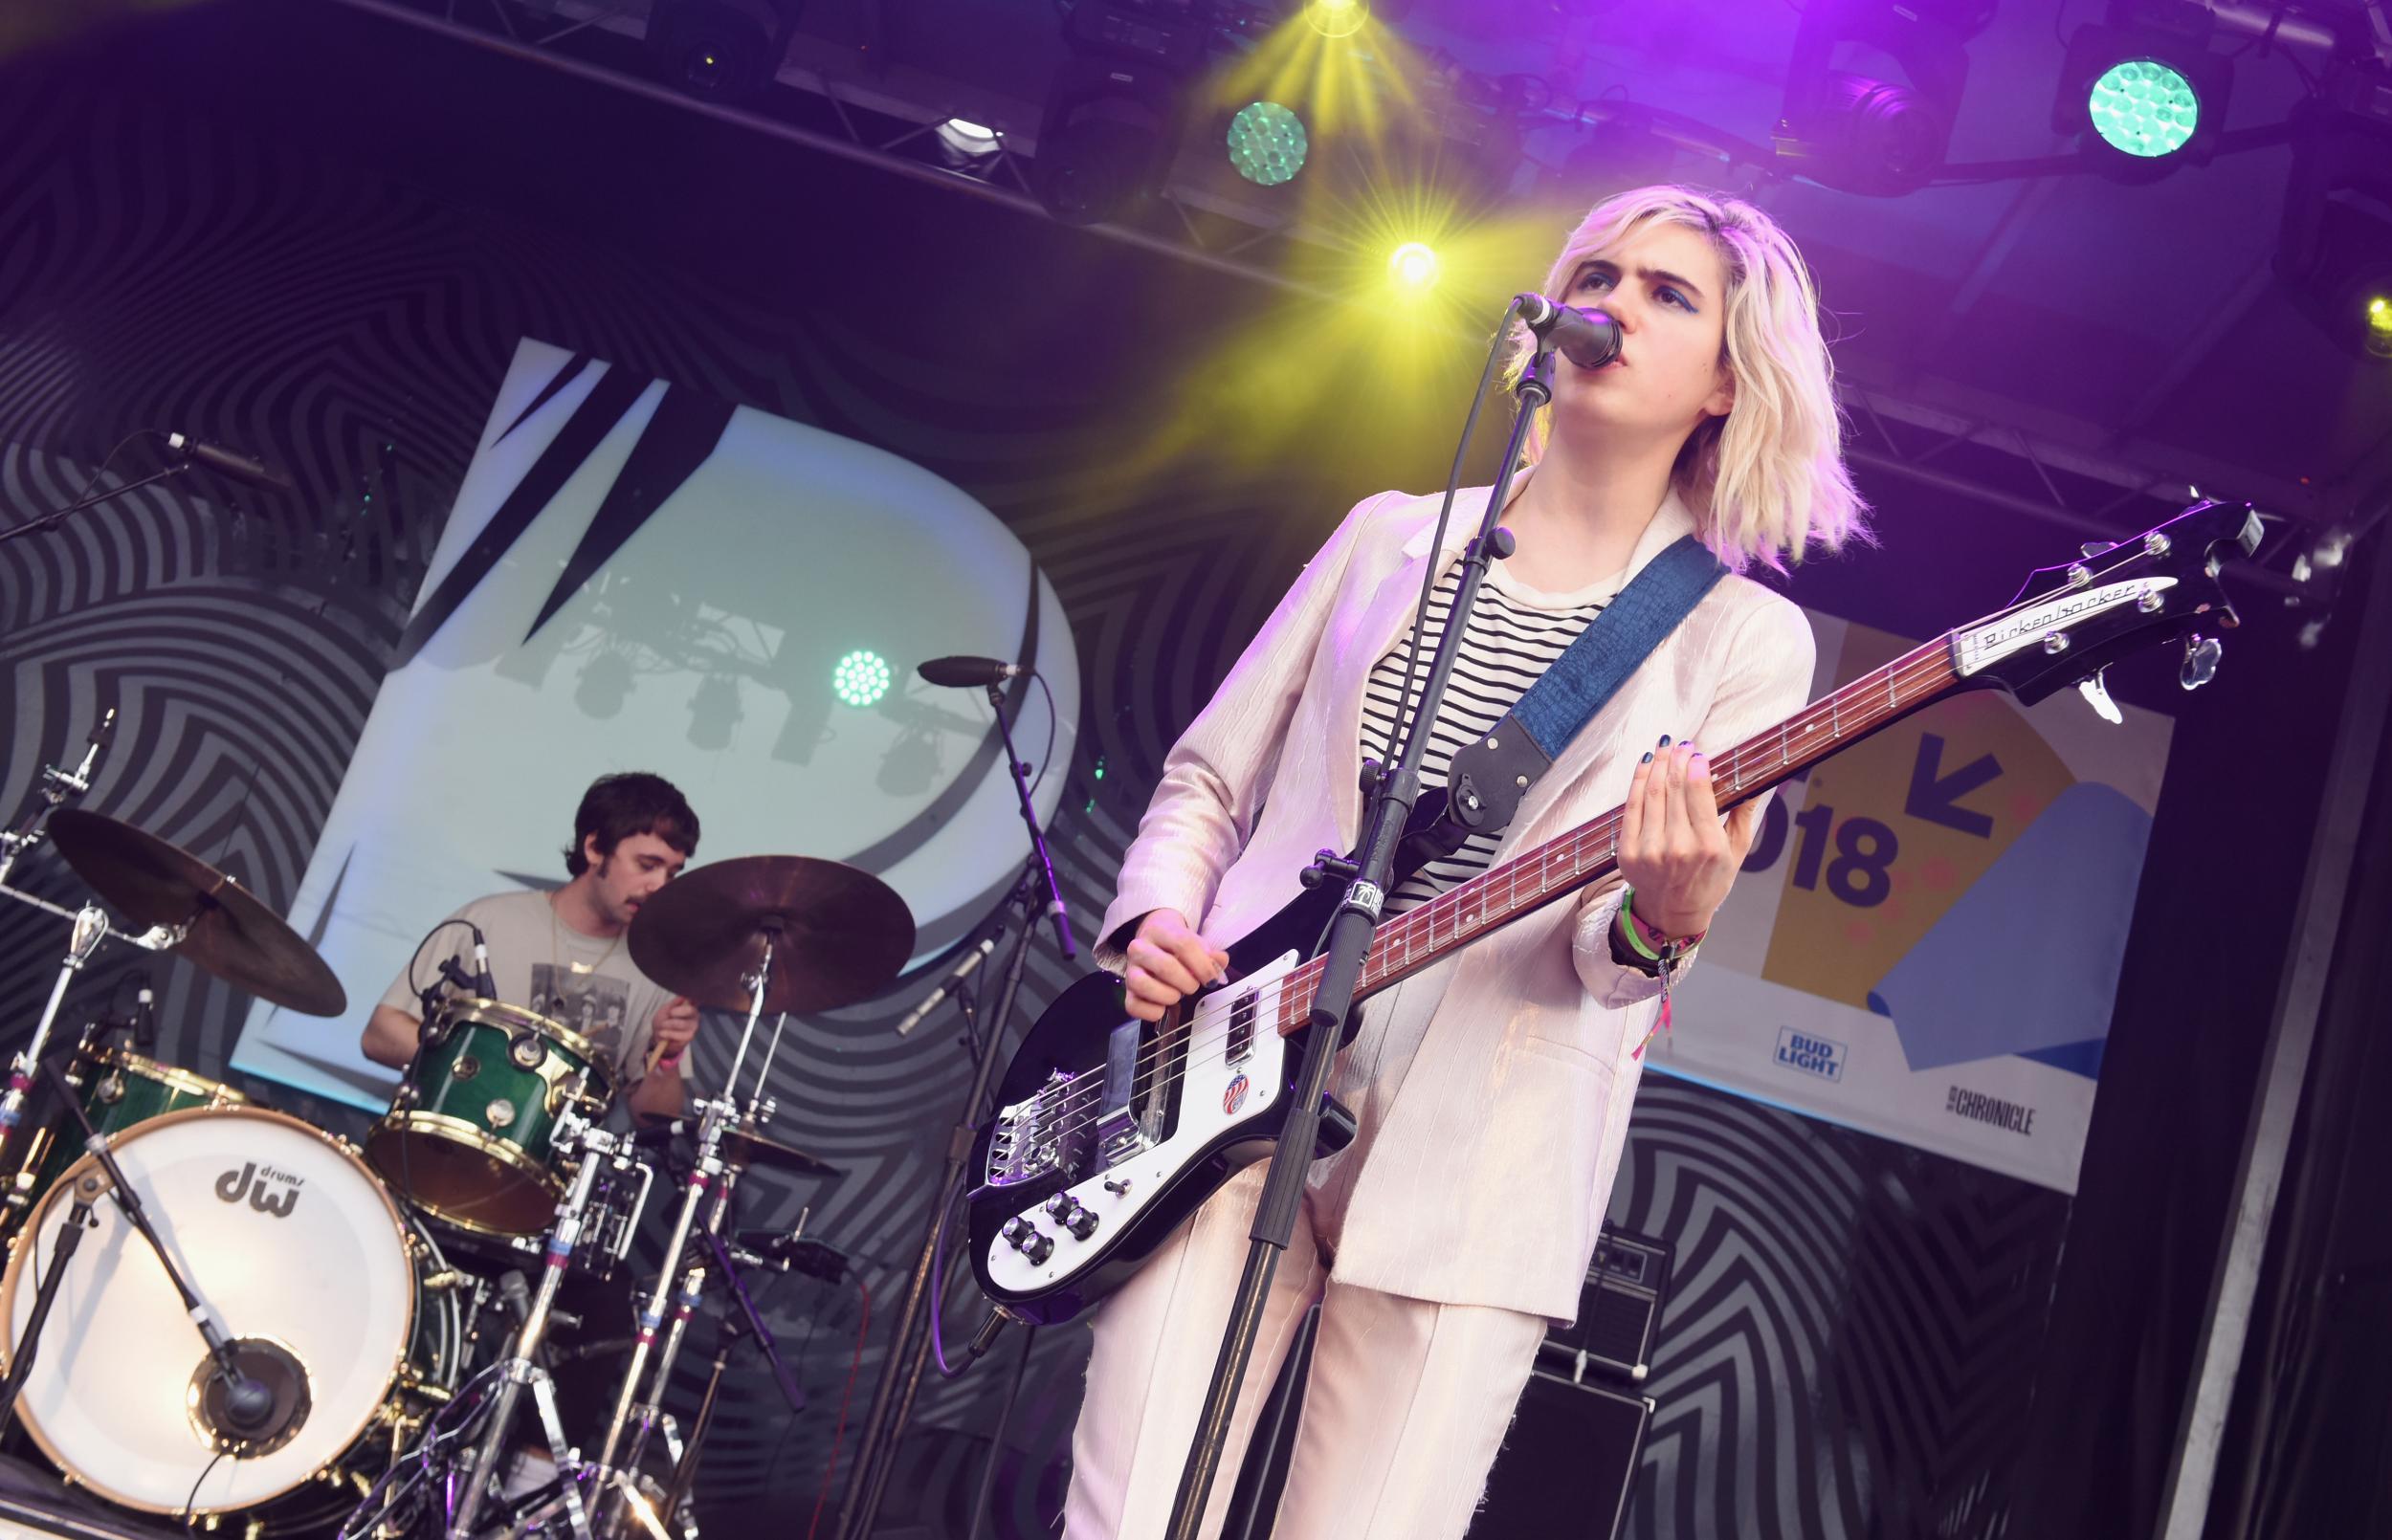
(1167, 962)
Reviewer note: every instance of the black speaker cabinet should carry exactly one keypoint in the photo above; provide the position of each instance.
(1567, 1466)
(1619, 1313)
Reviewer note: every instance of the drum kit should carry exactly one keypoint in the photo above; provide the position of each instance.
(220, 1314)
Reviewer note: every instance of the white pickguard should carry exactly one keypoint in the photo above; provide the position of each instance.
(1209, 1108)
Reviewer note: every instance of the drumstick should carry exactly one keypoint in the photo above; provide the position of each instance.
(655, 1053)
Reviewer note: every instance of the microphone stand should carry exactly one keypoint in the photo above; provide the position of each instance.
(1368, 879)
(240, 1390)
(53, 518)
(892, 1401)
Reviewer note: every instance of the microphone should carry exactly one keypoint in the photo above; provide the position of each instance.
(248, 1403)
(516, 1295)
(484, 985)
(145, 1018)
(1587, 338)
(229, 462)
(969, 673)
(954, 976)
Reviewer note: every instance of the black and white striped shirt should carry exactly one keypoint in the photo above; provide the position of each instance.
(1515, 634)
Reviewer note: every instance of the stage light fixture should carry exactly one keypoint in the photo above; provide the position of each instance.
(720, 49)
(861, 678)
(2144, 90)
(1337, 18)
(1267, 143)
(1106, 139)
(1859, 132)
(2334, 250)
(1413, 266)
(964, 142)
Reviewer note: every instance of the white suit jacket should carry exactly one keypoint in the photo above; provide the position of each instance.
(1488, 1181)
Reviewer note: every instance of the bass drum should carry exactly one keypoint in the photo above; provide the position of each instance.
(313, 1271)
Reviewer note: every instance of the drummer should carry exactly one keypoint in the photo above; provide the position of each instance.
(561, 954)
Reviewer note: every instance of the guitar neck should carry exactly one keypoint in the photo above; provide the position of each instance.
(1496, 898)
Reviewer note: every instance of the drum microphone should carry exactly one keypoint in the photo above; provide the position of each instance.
(516, 1294)
(969, 673)
(484, 985)
(1589, 338)
(229, 462)
(144, 1016)
(948, 986)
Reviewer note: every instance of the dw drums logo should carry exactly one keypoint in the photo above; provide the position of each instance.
(233, 1185)
(1810, 1053)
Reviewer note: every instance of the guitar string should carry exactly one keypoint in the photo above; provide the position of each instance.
(1929, 660)
(1079, 1092)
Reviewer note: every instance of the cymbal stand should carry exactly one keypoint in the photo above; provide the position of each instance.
(713, 1116)
(91, 927)
(694, 1277)
(521, 1367)
(58, 786)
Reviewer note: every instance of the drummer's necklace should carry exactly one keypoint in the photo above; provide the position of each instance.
(558, 961)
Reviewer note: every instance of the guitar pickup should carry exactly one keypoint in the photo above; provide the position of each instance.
(1241, 1035)
(1119, 1135)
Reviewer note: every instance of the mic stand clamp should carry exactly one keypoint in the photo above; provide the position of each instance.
(86, 1190)
(1349, 938)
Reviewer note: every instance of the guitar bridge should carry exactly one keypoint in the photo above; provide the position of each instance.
(1043, 1132)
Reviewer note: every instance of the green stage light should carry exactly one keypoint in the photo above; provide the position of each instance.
(2143, 107)
(861, 678)
(1267, 143)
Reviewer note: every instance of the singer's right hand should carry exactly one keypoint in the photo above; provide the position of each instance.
(1167, 961)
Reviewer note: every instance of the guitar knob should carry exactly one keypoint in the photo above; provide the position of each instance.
(1011, 1231)
(1036, 1248)
(1081, 1221)
(1061, 1205)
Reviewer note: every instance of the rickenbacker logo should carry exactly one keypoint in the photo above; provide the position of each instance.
(251, 1182)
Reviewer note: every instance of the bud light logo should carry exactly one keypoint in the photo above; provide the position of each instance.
(1810, 1053)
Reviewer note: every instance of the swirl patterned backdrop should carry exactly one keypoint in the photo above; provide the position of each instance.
(1841, 1356)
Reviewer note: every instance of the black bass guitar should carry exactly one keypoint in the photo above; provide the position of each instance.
(1112, 1130)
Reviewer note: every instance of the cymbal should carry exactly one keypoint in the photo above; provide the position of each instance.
(837, 935)
(746, 1145)
(229, 931)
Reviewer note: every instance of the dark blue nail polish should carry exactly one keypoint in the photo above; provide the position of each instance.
(1649, 756)
(1665, 741)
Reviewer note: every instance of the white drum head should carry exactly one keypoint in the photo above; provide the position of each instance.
(284, 1234)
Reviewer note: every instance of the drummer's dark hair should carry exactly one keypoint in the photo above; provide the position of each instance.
(616, 807)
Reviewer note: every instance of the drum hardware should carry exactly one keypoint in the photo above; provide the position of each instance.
(520, 1368)
(58, 786)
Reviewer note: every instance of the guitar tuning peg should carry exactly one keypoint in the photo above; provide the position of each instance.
(2097, 694)
(2200, 661)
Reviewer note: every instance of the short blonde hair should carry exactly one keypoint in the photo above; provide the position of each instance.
(1767, 481)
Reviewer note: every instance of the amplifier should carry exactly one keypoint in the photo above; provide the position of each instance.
(1619, 1313)
(1567, 1464)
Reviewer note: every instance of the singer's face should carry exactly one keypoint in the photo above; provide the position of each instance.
(1668, 290)
(625, 877)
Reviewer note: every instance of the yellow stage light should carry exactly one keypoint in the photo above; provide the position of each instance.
(1414, 266)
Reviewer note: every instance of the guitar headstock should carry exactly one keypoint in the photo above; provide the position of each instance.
(2067, 622)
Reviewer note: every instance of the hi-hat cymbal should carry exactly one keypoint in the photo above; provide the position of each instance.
(837, 935)
(229, 931)
(746, 1145)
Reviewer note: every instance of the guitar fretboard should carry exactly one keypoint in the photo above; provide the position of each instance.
(1562, 864)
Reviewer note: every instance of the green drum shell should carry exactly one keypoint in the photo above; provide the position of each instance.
(471, 1135)
(118, 1089)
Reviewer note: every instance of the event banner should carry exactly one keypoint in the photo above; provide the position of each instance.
(1926, 938)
